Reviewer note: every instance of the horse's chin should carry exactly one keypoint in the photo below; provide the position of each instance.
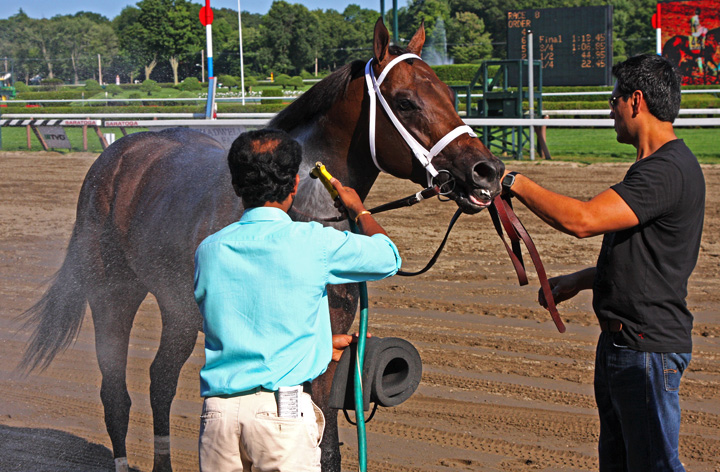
(471, 204)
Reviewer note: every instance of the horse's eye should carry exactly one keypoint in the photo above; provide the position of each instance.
(406, 105)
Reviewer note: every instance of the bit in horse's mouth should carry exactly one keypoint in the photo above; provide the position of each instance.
(472, 202)
(484, 202)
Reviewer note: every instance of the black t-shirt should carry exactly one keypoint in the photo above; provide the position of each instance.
(642, 272)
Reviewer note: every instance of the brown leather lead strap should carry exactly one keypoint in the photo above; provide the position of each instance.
(504, 210)
(514, 253)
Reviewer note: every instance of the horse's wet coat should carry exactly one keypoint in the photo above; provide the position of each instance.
(150, 198)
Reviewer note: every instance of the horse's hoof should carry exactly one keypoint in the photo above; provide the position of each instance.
(162, 463)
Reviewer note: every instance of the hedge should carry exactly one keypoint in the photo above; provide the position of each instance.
(222, 108)
(76, 94)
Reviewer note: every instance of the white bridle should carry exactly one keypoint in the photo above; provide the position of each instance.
(423, 155)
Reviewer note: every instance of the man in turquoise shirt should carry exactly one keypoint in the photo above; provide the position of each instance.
(260, 284)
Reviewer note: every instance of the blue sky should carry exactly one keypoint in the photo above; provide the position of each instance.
(112, 8)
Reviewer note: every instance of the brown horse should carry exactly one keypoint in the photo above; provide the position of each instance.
(150, 198)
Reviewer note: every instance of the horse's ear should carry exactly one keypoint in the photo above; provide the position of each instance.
(418, 40)
(381, 41)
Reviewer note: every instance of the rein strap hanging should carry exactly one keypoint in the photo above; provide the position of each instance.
(501, 210)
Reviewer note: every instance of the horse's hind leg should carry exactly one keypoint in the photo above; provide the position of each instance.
(113, 312)
(181, 323)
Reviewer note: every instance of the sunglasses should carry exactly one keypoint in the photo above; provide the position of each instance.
(613, 100)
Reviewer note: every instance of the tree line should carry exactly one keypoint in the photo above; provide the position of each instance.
(164, 40)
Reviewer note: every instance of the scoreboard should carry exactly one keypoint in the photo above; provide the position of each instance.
(574, 45)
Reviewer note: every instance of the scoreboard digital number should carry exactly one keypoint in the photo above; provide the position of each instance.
(574, 45)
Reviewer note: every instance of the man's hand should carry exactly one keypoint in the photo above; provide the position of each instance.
(349, 203)
(564, 287)
(348, 200)
(341, 341)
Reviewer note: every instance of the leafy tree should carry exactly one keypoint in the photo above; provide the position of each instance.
(169, 29)
(288, 38)
(34, 43)
(345, 37)
(26, 59)
(134, 39)
(469, 42)
(83, 39)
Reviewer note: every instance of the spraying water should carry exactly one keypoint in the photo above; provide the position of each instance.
(435, 51)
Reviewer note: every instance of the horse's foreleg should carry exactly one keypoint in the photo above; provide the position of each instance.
(181, 323)
(343, 304)
(113, 312)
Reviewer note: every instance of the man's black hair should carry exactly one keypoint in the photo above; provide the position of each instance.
(656, 78)
(263, 164)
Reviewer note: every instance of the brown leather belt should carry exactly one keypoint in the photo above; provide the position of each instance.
(612, 326)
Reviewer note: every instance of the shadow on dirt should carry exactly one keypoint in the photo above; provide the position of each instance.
(49, 450)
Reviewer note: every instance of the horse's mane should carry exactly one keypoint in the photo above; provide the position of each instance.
(319, 98)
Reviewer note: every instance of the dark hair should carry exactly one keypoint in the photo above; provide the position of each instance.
(656, 78)
(263, 164)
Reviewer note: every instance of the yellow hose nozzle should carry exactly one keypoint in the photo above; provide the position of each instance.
(320, 172)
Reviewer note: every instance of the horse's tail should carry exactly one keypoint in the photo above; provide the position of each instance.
(59, 313)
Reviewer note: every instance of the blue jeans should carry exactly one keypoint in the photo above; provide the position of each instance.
(639, 406)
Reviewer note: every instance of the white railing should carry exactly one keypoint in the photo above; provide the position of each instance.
(262, 119)
(292, 96)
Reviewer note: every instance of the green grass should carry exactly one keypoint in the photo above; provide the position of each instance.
(584, 145)
(15, 139)
(589, 145)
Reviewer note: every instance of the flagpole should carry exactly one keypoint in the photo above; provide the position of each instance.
(242, 67)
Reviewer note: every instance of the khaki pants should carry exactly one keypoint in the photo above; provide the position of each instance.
(244, 434)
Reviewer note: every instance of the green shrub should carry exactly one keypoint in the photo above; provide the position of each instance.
(296, 82)
(75, 94)
(283, 80)
(228, 81)
(51, 84)
(272, 92)
(149, 86)
(21, 87)
(186, 107)
(135, 95)
(113, 90)
(250, 82)
(190, 84)
(92, 86)
(456, 72)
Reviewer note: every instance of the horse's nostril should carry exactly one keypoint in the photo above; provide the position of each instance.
(483, 173)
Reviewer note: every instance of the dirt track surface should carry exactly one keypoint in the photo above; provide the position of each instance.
(502, 390)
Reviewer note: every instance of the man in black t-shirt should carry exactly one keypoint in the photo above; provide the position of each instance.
(652, 224)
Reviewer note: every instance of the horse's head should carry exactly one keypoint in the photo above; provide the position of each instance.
(416, 133)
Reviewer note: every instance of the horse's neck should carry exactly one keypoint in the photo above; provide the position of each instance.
(333, 140)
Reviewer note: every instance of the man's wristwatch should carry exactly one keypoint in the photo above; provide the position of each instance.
(508, 181)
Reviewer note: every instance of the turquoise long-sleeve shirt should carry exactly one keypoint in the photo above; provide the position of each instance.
(261, 283)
